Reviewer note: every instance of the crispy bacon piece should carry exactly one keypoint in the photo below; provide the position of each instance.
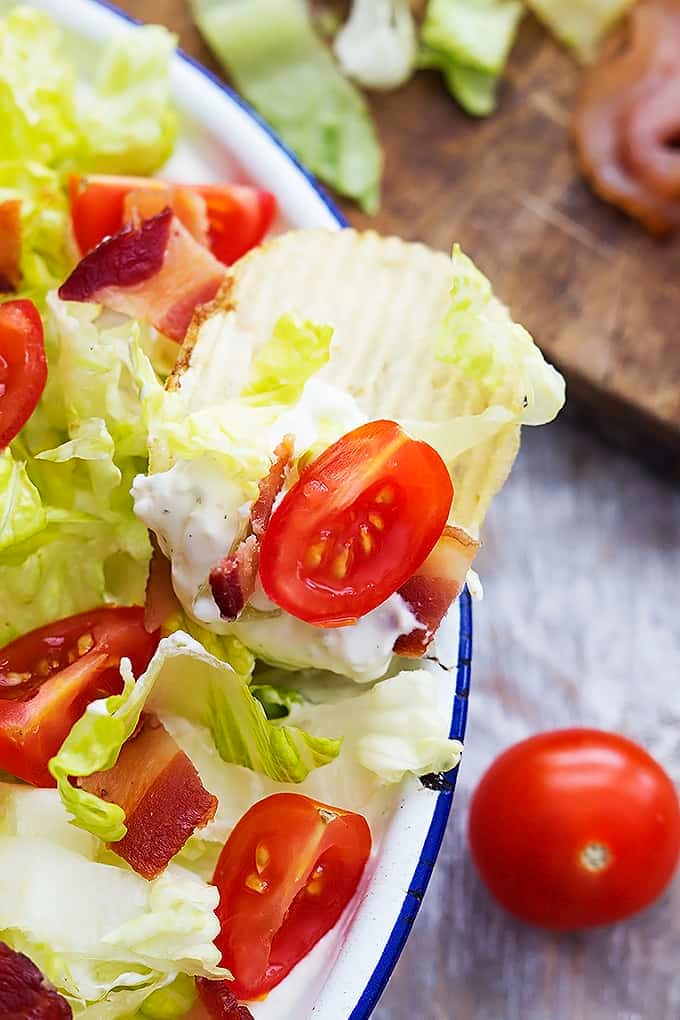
(155, 271)
(431, 590)
(160, 602)
(10, 245)
(161, 793)
(219, 1001)
(627, 120)
(25, 994)
(233, 579)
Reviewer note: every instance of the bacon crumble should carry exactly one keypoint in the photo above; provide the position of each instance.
(25, 994)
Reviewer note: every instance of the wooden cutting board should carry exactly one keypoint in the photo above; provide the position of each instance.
(600, 296)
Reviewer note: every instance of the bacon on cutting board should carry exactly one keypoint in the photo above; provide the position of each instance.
(155, 271)
(232, 581)
(161, 793)
(434, 586)
(24, 993)
(627, 120)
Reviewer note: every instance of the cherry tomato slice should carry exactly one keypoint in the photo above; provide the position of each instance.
(23, 366)
(238, 215)
(358, 523)
(575, 828)
(48, 677)
(285, 875)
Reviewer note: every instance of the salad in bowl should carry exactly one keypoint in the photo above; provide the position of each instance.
(242, 481)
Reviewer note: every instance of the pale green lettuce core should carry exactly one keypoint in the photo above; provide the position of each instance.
(580, 24)
(377, 45)
(52, 125)
(217, 698)
(105, 937)
(280, 369)
(276, 59)
(469, 41)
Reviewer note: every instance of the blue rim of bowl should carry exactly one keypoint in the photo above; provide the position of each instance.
(446, 783)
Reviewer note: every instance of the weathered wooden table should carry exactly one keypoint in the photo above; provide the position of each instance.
(580, 623)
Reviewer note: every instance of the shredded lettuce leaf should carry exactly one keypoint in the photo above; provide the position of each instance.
(580, 24)
(104, 936)
(69, 538)
(217, 698)
(280, 369)
(469, 41)
(276, 59)
(377, 45)
(52, 124)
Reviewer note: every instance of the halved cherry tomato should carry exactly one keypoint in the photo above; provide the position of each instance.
(285, 875)
(48, 677)
(575, 828)
(358, 523)
(23, 366)
(238, 215)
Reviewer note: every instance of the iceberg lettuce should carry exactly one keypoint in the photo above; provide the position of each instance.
(217, 698)
(280, 369)
(52, 125)
(580, 24)
(469, 41)
(377, 45)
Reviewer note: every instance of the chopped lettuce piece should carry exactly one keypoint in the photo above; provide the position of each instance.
(580, 24)
(83, 446)
(469, 41)
(51, 124)
(282, 67)
(377, 45)
(217, 698)
(175, 1000)
(127, 122)
(104, 936)
(276, 701)
(280, 369)
(22, 514)
(396, 728)
(481, 340)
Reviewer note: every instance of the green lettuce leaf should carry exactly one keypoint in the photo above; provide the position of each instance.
(69, 539)
(282, 67)
(276, 701)
(104, 936)
(175, 1000)
(280, 369)
(52, 124)
(217, 698)
(377, 45)
(469, 41)
(481, 340)
(580, 24)
(22, 514)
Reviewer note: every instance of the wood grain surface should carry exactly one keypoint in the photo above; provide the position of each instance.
(580, 622)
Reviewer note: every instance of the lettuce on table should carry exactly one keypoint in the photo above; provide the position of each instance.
(580, 24)
(469, 41)
(276, 59)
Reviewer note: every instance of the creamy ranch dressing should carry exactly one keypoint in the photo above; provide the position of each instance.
(199, 514)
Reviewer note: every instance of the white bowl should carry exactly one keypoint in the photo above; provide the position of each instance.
(344, 976)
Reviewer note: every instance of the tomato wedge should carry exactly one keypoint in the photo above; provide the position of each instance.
(285, 875)
(358, 523)
(238, 215)
(23, 366)
(48, 677)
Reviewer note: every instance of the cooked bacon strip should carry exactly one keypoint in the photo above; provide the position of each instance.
(25, 994)
(618, 98)
(189, 207)
(219, 1001)
(233, 579)
(431, 590)
(161, 793)
(270, 486)
(160, 602)
(156, 272)
(10, 245)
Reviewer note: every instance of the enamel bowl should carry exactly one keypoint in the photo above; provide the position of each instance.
(344, 976)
